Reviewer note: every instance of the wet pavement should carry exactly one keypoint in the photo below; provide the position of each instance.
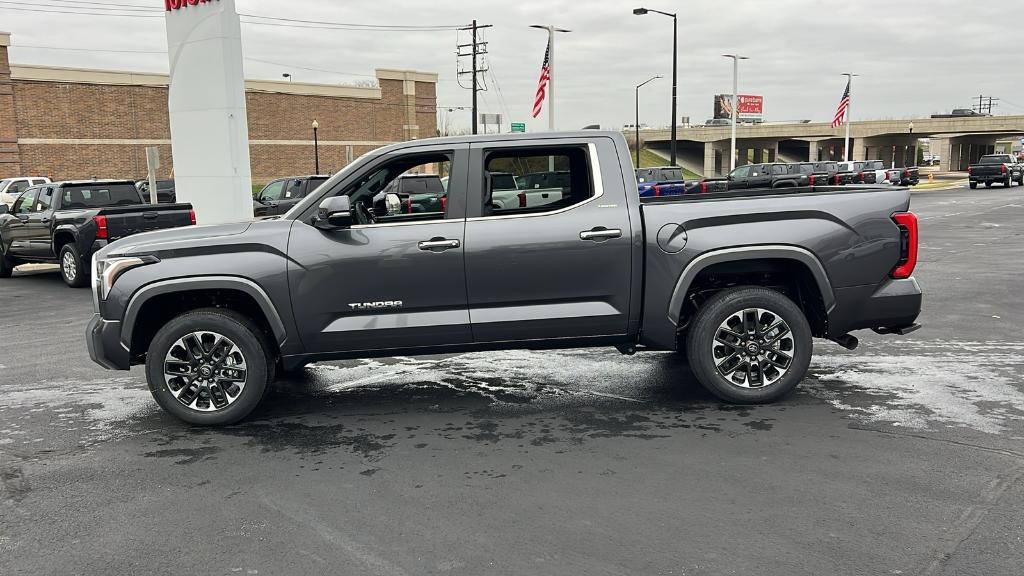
(903, 457)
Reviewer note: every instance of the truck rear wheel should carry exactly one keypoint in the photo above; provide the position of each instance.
(6, 265)
(749, 345)
(974, 185)
(71, 268)
(209, 367)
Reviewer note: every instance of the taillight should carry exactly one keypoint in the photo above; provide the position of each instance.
(522, 199)
(907, 224)
(1002, 169)
(657, 190)
(906, 173)
(408, 206)
(970, 170)
(703, 187)
(101, 227)
(861, 176)
(444, 204)
(192, 217)
(838, 179)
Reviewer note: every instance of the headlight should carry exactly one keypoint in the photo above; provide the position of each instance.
(106, 271)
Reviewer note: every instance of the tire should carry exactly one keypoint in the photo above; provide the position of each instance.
(973, 185)
(72, 271)
(6, 266)
(988, 184)
(758, 387)
(1008, 182)
(200, 402)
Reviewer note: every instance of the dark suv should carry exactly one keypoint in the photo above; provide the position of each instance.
(279, 196)
(774, 175)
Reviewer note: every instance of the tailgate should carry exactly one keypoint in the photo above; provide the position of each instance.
(124, 221)
(987, 170)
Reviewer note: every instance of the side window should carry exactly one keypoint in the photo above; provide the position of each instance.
(38, 181)
(756, 170)
(26, 202)
(779, 169)
(406, 188)
(273, 191)
(17, 186)
(293, 189)
(535, 180)
(45, 198)
(741, 172)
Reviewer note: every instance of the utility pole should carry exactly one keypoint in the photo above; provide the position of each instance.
(477, 48)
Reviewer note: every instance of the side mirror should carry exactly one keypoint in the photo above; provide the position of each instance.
(3, 209)
(392, 203)
(334, 212)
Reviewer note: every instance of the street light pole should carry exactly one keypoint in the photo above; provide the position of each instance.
(675, 70)
(551, 70)
(910, 133)
(637, 125)
(735, 105)
(316, 148)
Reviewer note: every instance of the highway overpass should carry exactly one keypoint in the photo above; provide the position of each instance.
(957, 141)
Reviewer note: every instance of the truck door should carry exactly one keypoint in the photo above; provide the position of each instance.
(560, 269)
(395, 283)
(17, 229)
(37, 230)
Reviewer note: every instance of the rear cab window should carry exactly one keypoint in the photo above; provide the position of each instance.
(547, 179)
(99, 195)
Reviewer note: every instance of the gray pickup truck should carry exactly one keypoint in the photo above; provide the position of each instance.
(740, 281)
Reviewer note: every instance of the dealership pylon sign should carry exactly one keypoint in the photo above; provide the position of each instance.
(206, 102)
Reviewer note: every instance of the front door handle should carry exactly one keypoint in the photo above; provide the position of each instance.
(598, 234)
(45, 221)
(439, 244)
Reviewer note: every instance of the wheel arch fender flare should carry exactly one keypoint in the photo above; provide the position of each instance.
(250, 288)
(761, 252)
(63, 230)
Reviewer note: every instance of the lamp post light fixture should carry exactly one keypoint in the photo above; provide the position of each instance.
(316, 148)
(637, 125)
(288, 76)
(735, 105)
(910, 144)
(675, 54)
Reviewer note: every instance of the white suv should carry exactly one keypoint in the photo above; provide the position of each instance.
(10, 188)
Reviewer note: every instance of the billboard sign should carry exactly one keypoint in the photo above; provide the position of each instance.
(750, 107)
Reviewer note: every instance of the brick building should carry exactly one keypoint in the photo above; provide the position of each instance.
(77, 123)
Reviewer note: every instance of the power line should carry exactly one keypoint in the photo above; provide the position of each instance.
(35, 47)
(80, 13)
(353, 26)
(97, 9)
(149, 8)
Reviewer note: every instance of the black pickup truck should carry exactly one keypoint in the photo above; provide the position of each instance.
(996, 168)
(66, 222)
(774, 175)
(739, 281)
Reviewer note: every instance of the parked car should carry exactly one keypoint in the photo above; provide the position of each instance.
(280, 195)
(421, 192)
(878, 167)
(818, 173)
(660, 181)
(855, 173)
(715, 122)
(740, 283)
(164, 191)
(909, 176)
(774, 175)
(993, 168)
(10, 188)
(67, 222)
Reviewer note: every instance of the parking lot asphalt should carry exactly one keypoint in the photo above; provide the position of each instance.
(905, 456)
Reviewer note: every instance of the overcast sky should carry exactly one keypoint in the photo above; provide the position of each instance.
(915, 57)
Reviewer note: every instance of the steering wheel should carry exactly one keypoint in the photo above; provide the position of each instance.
(364, 215)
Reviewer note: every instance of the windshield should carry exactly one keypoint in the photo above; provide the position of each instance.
(874, 165)
(99, 195)
(1002, 159)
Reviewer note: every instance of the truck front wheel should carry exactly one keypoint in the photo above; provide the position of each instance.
(749, 345)
(209, 367)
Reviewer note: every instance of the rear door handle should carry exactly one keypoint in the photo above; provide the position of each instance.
(598, 234)
(439, 244)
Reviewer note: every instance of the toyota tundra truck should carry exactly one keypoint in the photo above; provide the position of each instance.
(739, 281)
(993, 168)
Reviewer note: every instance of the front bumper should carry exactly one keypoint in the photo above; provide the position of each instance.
(892, 307)
(103, 337)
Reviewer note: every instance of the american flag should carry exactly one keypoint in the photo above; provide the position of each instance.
(542, 84)
(837, 120)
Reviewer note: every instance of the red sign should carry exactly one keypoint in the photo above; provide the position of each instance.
(747, 104)
(178, 4)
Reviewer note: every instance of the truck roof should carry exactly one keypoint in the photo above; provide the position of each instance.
(87, 182)
(501, 138)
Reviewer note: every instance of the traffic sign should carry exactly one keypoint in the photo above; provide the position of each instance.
(519, 126)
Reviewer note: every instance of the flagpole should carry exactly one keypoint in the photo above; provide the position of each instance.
(551, 80)
(849, 102)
